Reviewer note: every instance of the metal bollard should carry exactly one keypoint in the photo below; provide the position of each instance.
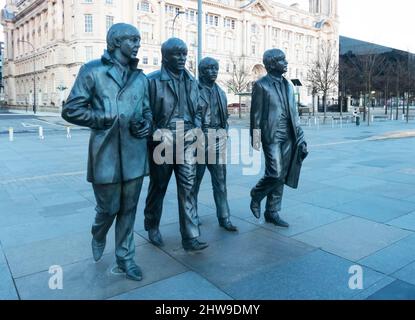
(11, 134)
(41, 136)
(68, 133)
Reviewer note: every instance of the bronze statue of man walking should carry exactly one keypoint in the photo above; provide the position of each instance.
(111, 97)
(215, 127)
(275, 123)
(174, 99)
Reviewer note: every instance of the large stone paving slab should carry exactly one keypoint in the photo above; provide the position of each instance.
(88, 280)
(406, 274)
(404, 222)
(40, 255)
(43, 229)
(317, 275)
(185, 286)
(7, 289)
(232, 259)
(301, 218)
(377, 208)
(397, 290)
(354, 182)
(329, 197)
(394, 190)
(353, 238)
(392, 258)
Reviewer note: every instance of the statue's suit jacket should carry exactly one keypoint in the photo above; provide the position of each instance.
(223, 105)
(99, 96)
(163, 98)
(266, 116)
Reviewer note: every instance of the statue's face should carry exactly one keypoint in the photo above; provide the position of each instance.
(130, 44)
(176, 59)
(280, 64)
(210, 72)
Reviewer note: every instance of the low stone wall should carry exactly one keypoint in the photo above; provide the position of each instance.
(55, 109)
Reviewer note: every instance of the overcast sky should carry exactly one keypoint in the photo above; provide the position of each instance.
(385, 22)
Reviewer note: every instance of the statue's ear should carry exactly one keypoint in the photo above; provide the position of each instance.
(117, 42)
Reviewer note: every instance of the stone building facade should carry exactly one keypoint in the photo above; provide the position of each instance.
(67, 33)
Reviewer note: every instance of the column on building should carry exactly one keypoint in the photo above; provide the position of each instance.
(162, 21)
(245, 37)
(50, 21)
(59, 20)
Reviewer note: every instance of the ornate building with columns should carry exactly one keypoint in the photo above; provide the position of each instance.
(51, 39)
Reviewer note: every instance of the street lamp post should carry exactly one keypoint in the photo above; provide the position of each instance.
(34, 74)
(174, 20)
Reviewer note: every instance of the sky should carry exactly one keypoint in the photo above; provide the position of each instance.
(370, 20)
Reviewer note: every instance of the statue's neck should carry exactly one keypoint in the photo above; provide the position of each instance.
(176, 73)
(206, 83)
(275, 74)
(121, 59)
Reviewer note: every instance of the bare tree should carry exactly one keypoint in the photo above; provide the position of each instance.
(324, 72)
(369, 66)
(239, 81)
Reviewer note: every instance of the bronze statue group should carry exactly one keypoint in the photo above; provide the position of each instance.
(125, 108)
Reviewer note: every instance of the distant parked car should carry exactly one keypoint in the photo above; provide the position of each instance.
(236, 105)
(303, 109)
(333, 108)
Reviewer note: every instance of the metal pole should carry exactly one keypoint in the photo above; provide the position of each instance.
(199, 31)
(174, 20)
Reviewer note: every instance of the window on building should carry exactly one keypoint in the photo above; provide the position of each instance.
(89, 53)
(88, 1)
(171, 10)
(88, 23)
(109, 1)
(191, 38)
(145, 57)
(253, 49)
(275, 33)
(109, 22)
(144, 6)
(155, 60)
(212, 20)
(211, 42)
(254, 28)
(229, 23)
(191, 15)
(146, 30)
(229, 43)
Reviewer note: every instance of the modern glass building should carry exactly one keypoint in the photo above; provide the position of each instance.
(375, 75)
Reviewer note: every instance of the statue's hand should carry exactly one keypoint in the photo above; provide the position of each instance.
(141, 129)
(256, 145)
(304, 150)
(256, 140)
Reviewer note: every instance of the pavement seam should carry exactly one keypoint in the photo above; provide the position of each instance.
(10, 271)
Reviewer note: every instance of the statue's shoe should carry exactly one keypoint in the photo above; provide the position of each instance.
(132, 272)
(97, 249)
(227, 225)
(276, 220)
(256, 208)
(194, 245)
(155, 237)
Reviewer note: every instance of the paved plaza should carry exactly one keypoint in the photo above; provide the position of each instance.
(355, 207)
